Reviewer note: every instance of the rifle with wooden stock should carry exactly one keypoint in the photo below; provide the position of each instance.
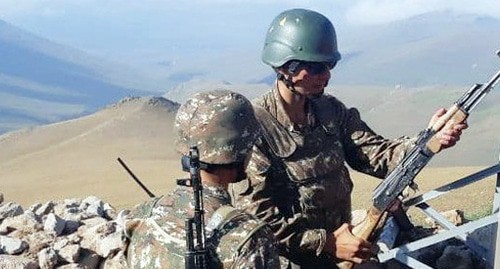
(427, 145)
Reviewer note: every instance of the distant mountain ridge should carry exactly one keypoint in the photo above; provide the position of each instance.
(42, 82)
(437, 48)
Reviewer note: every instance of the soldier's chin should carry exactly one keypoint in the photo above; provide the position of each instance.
(316, 95)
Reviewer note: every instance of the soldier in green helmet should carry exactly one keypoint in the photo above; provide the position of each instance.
(222, 125)
(298, 180)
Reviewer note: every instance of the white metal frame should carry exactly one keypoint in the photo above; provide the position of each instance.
(461, 232)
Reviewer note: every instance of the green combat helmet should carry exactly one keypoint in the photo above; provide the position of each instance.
(300, 34)
(220, 123)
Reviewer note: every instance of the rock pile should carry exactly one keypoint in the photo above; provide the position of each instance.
(73, 233)
(88, 233)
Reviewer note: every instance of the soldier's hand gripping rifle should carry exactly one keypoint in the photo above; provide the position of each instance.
(195, 255)
(387, 193)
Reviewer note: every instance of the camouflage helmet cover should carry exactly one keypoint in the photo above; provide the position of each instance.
(300, 34)
(220, 123)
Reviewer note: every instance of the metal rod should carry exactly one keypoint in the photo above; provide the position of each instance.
(433, 239)
(136, 179)
(496, 204)
(492, 170)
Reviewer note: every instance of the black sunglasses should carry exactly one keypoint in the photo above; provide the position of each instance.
(186, 165)
(316, 68)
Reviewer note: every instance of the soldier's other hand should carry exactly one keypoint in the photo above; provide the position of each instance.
(344, 245)
(450, 134)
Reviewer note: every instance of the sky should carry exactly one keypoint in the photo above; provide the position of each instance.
(172, 32)
(107, 26)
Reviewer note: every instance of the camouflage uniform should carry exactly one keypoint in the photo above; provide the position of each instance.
(222, 125)
(158, 240)
(298, 181)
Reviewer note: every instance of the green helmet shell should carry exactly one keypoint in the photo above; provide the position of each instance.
(300, 34)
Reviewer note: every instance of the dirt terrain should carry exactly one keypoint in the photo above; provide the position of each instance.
(119, 189)
(78, 158)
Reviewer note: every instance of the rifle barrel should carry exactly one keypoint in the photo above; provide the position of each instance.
(480, 95)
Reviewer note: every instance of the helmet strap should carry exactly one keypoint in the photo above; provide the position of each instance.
(289, 83)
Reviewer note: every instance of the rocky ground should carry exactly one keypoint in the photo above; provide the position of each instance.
(74, 233)
(87, 233)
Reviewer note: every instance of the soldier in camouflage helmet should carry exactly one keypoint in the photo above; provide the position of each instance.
(223, 127)
(297, 178)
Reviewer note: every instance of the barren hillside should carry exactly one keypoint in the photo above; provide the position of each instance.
(78, 157)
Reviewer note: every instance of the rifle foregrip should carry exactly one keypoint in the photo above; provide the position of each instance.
(453, 117)
(368, 225)
(364, 230)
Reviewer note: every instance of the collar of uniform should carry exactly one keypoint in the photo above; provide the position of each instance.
(217, 192)
(283, 117)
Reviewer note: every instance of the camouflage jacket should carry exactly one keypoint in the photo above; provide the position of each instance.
(157, 239)
(297, 177)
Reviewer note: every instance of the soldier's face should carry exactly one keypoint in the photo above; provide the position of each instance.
(311, 81)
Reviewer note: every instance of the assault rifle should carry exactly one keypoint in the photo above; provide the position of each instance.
(195, 255)
(388, 191)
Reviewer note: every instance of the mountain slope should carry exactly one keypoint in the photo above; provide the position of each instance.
(433, 48)
(41, 81)
(393, 113)
(75, 156)
(78, 157)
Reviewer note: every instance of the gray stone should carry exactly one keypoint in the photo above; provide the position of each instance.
(74, 238)
(72, 266)
(60, 242)
(10, 209)
(93, 222)
(103, 239)
(26, 223)
(69, 253)
(42, 238)
(45, 208)
(109, 212)
(9, 245)
(92, 207)
(47, 258)
(429, 254)
(38, 241)
(54, 224)
(67, 207)
(71, 226)
(17, 262)
(454, 216)
(119, 261)
(110, 244)
(455, 257)
(34, 207)
(89, 259)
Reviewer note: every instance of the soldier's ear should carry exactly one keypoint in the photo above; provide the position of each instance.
(130, 226)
